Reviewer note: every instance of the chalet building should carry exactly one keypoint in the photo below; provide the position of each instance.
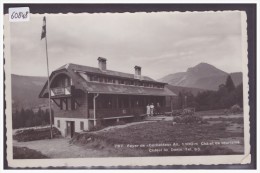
(84, 96)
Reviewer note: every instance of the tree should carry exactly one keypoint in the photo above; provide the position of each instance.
(239, 95)
(180, 101)
(28, 118)
(190, 99)
(15, 119)
(230, 84)
(204, 100)
(21, 119)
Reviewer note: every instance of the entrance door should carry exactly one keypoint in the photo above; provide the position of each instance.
(70, 125)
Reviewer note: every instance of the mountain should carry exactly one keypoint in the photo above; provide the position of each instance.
(203, 76)
(25, 91)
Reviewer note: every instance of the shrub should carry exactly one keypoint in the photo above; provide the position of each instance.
(177, 119)
(176, 113)
(235, 109)
(188, 111)
(36, 134)
(97, 127)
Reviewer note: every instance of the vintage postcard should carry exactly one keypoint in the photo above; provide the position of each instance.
(126, 89)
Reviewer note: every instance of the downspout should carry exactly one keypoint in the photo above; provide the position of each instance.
(94, 105)
(171, 97)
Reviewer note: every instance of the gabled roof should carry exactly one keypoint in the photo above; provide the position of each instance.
(95, 87)
(73, 71)
(95, 70)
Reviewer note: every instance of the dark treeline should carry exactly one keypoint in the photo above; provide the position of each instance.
(28, 118)
(226, 96)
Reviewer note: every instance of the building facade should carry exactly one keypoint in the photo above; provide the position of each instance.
(84, 97)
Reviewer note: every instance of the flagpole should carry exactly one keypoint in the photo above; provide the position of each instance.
(47, 59)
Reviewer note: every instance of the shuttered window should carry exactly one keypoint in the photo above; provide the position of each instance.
(58, 123)
(81, 125)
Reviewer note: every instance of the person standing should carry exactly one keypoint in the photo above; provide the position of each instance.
(148, 110)
(152, 109)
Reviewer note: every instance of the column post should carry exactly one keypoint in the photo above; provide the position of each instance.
(94, 105)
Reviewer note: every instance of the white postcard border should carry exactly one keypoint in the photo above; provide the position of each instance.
(126, 161)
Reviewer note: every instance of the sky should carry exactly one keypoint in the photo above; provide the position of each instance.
(161, 43)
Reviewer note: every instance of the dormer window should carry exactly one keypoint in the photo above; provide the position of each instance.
(109, 80)
(114, 80)
(94, 78)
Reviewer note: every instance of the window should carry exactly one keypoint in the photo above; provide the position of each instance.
(127, 82)
(61, 80)
(72, 105)
(131, 82)
(90, 78)
(81, 125)
(100, 79)
(58, 123)
(109, 80)
(94, 78)
(121, 82)
(63, 104)
(67, 104)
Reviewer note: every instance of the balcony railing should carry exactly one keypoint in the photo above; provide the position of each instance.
(61, 91)
(105, 113)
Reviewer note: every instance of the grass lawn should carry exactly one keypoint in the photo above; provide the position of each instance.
(26, 153)
(164, 132)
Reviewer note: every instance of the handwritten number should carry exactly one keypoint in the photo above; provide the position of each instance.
(19, 15)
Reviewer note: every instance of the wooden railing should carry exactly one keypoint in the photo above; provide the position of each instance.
(61, 91)
(106, 113)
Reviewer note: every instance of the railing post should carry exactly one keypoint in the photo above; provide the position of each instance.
(94, 105)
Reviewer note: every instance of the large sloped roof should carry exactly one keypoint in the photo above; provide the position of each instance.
(74, 71)
(89, 69)
(95, 87)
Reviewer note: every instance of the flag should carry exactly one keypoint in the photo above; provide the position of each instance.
(43, 28)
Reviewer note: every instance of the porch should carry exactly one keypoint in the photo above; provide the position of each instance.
(109, 106)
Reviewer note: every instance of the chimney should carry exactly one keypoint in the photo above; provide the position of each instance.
(137, 70)
(102, 63)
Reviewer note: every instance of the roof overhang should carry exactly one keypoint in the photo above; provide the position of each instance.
(95, 87)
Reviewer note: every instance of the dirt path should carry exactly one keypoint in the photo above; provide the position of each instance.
(60, 148)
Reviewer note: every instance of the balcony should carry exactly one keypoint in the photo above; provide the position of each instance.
(61, 91)
(108, 113)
